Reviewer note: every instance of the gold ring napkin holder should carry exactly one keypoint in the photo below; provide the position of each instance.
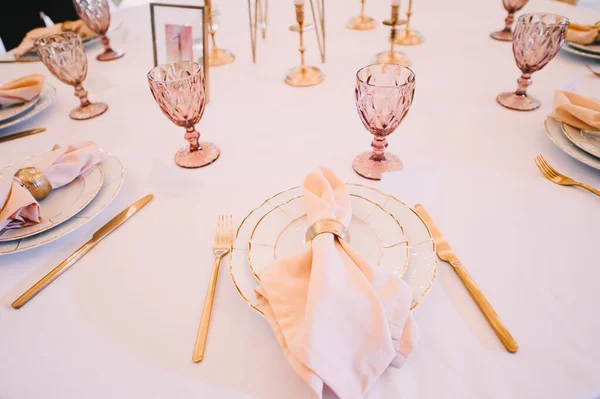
(327, 226)
(35, 182)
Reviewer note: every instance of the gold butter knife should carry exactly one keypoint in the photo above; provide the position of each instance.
(85, 248)
(22, 134)
(446, 254)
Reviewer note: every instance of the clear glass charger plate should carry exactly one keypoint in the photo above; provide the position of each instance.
(384, 230)
(74, 211)
(588, 141)
(558, 136)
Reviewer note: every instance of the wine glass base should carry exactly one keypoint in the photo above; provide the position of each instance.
(88, 112)
(219, 56)
(361, 23)
(110, 55)
(371, 169)
(514, 101)
(396, 57)
(502, 35)
(304, 77)
(197, 159)
(409, 38)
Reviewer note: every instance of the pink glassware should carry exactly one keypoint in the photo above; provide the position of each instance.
(63, 55)
(179, 90)
(537, 39)
(96, 15)
(512, 6)
(384, 94)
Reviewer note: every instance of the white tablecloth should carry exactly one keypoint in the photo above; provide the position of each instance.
(122, 322)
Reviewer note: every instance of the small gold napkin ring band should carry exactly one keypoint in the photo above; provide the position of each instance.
(324, 226)
(35, 182)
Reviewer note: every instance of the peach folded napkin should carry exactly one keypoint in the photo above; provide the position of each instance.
(583, 34)
(61, 166)
(576, 110)
(75, 26)
(340, 321)
(21, 90)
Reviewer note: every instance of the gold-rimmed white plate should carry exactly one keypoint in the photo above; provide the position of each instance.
(587, 48)
(418, 267)
(8, 112)
(556, 134)
(586, 140)
(570, 49)
(45, 99)
(113, 175)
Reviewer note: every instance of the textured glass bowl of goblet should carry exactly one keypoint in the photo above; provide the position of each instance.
(96, 15)
(511, 6)
(536, 41)
(384, 94)
(64, 56)
(179, 90)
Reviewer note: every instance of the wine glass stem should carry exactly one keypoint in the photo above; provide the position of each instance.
(105, 43)
(509, 20)
(524, 81)
(378, 144)
(192, 136)
(83, 95)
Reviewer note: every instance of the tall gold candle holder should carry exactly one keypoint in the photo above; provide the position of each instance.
(302, 75)
(361, 22)
(392, 56)
(409, 37)
(216, 56)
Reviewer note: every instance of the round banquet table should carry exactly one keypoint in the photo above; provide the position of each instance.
(122, 322)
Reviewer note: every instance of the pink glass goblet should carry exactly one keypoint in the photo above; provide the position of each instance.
(96, 15)
(512, 6)
(537, 39)
(179, 90)
(63, 55)
(384, 94)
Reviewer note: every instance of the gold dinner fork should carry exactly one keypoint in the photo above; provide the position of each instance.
(551, 174)
(221, 247)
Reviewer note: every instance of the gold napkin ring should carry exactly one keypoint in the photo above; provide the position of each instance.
(330, 226)
(35, 182)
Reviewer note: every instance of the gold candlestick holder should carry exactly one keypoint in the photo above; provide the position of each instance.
(409, 37)
(392, 56)
(302, 75)
(216, 56)
(362, 22)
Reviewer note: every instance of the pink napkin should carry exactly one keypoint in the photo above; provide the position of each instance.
(61, 166)
(340, 321)
(21, 90)
(576, 110)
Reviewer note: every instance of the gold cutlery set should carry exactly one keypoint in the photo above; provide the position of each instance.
(556, 177)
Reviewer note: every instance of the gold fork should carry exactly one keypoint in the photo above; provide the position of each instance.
(551, 174)
(221, 247)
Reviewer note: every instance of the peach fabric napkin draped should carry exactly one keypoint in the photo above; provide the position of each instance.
(583, 34)
(576, 110)
(340, 321)
(75, 26)
(61, 166)
(21, 90)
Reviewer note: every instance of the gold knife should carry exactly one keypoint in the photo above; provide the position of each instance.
(22, 134)
(85, 248)
(446, 254)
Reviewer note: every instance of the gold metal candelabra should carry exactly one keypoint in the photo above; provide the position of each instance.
(302, 75)
(362, 22)
(409, 37)
(216, 56)
(392, 56)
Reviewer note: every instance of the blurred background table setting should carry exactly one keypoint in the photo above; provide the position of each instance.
(273, 253)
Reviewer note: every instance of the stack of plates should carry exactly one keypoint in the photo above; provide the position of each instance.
(13, 114)
(66, 208)
(589, 50)
(580, 144)
(385, 231)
